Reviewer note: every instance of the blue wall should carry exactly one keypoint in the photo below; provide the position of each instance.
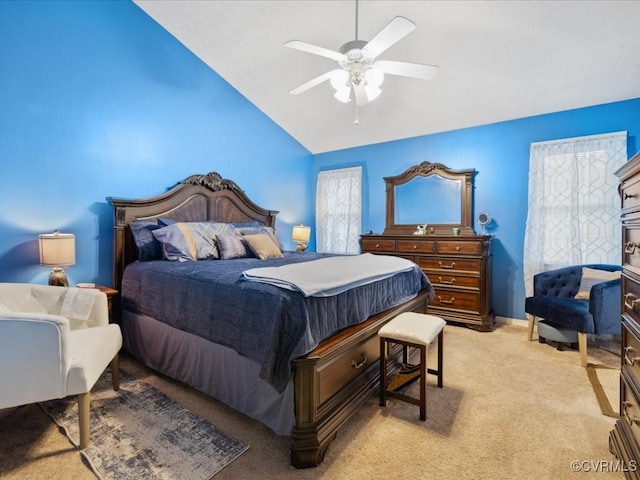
(500, 154)
(98, 100)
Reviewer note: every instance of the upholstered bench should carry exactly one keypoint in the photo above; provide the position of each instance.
(416, 330)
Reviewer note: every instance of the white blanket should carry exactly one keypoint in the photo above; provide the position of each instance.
(332, 275)
(78, 303)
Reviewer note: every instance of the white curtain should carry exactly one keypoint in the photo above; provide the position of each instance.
(574, 206)
(339, 210)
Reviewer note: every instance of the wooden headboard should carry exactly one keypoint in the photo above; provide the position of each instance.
(194, 199)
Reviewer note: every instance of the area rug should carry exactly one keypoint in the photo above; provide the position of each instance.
(606, 386)
(138, 432)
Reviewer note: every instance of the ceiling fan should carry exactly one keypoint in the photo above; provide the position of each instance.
(359, 70)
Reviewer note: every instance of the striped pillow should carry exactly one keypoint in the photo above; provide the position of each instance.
(591, 276)
(232, 246)
(184, 241)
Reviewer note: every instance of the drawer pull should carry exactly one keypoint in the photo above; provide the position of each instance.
(445, 282)
(448, 302)
(377, 245)
(415, 246)
(360, 364)
(629, 195)
(626, 416)
(451, 265)
(630, 360)
(631, 301)
(457, 249)
(630, 247)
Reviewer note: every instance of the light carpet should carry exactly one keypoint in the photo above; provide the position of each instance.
(606, 386)
(138, 432)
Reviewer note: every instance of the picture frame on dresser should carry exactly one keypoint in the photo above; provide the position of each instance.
(458, 265)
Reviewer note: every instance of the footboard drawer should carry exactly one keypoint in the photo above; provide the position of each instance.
(344, 369)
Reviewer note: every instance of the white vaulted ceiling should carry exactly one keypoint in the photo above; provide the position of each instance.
(499, 60)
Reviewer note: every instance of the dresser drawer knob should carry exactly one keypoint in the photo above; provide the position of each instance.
(446, 282)
(361, 363)
(630, 360)
(457, 249)
(377, 245)
(448, 302)
(631, 301)
(450, 266)
(630, 420)
(415, 246)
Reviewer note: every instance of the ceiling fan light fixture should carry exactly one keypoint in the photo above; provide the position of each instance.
(339, 79)
(343, 94)
(372, 91)
(374, 77)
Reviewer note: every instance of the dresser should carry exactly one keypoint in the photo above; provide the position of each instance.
(624, 440)
(459, 267)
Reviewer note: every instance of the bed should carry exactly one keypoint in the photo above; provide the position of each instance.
(330, 368)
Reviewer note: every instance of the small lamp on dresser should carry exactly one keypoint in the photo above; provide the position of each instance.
(57, 250)
(301, 235)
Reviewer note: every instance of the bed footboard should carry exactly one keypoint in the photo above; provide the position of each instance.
(334, 380)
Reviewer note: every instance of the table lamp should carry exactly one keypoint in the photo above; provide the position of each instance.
(301, 234)
(57, 250)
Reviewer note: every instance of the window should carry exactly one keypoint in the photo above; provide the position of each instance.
(339, 210)
(573, 203)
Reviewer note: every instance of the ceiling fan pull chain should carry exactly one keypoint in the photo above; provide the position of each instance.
(356, 121)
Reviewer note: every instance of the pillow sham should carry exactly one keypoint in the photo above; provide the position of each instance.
(263, 246)
(147, 245)
(232, 246)
(591, 276)
(184, 241)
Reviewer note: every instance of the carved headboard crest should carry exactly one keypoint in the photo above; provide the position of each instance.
(213, 181)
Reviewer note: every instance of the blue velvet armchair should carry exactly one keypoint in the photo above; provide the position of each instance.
(553, 300)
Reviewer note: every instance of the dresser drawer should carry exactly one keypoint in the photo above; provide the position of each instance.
(631, 352)
(378, 245)
(630, 299)
(334, 376)
(405, 246)
(453, 280)
(452, 264)
(630, 194)
(456, 299)
(459, 248)
(631, 246)
(629, 411)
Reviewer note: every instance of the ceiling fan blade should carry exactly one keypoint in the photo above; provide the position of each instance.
(396, 30)
(323, 52)
(406, 69)
(313, 82)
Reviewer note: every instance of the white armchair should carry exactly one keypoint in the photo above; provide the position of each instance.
(55, 342)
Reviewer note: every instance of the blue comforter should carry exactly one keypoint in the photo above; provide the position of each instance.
(267, 324)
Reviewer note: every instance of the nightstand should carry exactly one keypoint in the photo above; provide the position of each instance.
(111, 293)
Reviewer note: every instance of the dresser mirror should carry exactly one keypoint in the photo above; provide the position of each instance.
(431, 194)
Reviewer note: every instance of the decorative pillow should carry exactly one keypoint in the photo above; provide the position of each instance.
(148, 247)
(184, 241)
(232, 246)
(252, 223)
(261, 229)
(591, 276)
(166, 221)
(263, 246)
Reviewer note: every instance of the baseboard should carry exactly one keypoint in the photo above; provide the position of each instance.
(518, 322)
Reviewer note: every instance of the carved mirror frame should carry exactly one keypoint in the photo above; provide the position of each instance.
(426, 169)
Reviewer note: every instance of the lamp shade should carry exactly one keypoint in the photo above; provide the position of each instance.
(57, 249)
(301, 233)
